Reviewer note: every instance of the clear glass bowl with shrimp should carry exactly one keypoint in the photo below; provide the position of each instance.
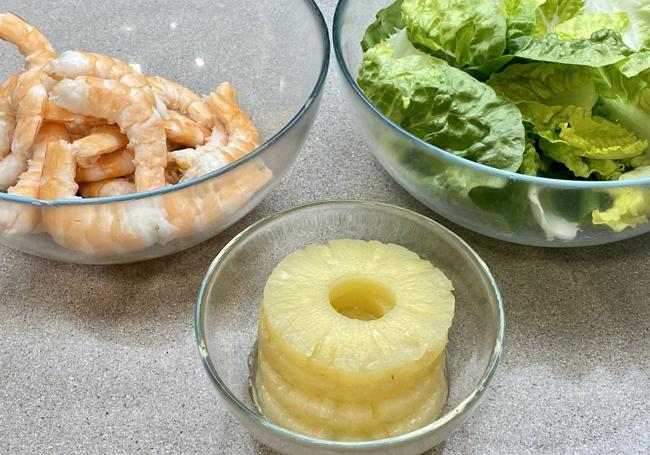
(133, 136)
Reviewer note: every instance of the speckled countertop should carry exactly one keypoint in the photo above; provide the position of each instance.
(97, 360)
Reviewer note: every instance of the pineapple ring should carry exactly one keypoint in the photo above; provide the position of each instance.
(311, 333)
(362, 430)
(342, 415)
(334, 388)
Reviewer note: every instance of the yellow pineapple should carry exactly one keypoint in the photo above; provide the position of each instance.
(351, 341)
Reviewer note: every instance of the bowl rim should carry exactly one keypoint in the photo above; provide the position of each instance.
(458, 412)
(311, 99)
(439, 152)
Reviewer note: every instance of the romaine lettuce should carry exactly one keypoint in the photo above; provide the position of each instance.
(471, 32)
(443, 106)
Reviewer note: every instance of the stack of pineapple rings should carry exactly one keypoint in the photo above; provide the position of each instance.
(351, 342)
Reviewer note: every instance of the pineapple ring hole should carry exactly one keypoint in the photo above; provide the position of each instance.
(361, 298)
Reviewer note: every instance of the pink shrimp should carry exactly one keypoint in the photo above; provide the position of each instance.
(182, 130)
(7, 114)
(224, 147)
(109, 166)
(229, 192)
(24, 218)
(29, 98)
(179, 98)
(132, 111)
(96, 229)
(105, 188)
(99, 141)
(30, 42)
(56, 114)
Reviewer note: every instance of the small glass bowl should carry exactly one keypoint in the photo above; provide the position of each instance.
(231, 293)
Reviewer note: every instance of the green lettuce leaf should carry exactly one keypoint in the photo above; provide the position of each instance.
(599, 138)
(637, 34)
(471, 32)
(532, 163)
(388, 21)
(636, 63)
(553, 224)
(630, 206)
(604, 47)
(520, 22)
(443, 106)
(560, 151)
(551, 13)
(550, 84)
(625, 100)
(584, 25)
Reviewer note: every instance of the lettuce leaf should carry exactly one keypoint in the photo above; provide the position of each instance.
(604, 47)
(520, 22)
(551, 13)
(625, 100)
(443, 106)
(532, 163)
(637, 34)
(560, 151)
(388, 22)
(636, 63)
(471, 32)
(599, 138)
(584, 25)
(630, 207)
(550, 84)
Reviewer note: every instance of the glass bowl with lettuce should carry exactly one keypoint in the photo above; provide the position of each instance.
(523, 120)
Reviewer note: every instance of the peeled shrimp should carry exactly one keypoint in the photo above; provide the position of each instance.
(24, 218)
(106, 188)
(101, 140)
(7, 114)
(132, 111)
(72, 64)
(179, 98)
(30, 42)
(96, 229)
(182, 130)
(54, 113)
(224, 147)
(30, 97)
(197, 211)
(109, 166)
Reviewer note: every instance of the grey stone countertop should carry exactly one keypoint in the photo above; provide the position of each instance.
(97, 360)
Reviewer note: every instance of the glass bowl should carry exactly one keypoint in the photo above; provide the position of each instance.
(504, 205)
(275, 53)
(231, 293)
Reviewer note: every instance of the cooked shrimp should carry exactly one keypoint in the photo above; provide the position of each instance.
(30, 42)
(205, 205)
(131, 110)
(72, 64)
(100, 141)
(30, 180)
(109, 166)
(30, 97)
(96, 229)
(240, 138)
(54, 113)
(7, 114)
(179, 98)
(59, 169)
(106, 188)
(184, 131)
(24, 218)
